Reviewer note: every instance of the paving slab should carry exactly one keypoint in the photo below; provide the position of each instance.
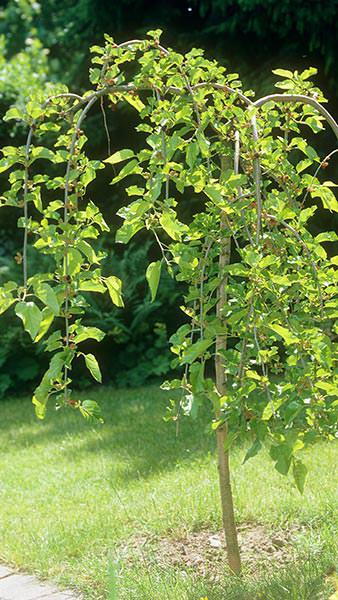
(5, 571)
(15, 586)
(57, 596)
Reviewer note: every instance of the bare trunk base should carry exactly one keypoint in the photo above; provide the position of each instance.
(228, 516)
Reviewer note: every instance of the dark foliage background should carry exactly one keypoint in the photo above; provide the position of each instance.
(48, 40)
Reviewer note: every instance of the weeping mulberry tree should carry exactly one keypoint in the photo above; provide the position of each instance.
(260, 297)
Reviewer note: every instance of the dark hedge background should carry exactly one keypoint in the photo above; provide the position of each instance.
(49, 41)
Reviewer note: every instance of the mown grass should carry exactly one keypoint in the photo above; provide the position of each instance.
(72, 493)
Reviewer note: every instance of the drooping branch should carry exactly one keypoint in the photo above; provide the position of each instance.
(307, 251)
(65, 220)
(257, 180)
(300, 98)
(26, 177)
(25, 209)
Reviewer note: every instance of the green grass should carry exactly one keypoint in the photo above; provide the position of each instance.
(72, 493)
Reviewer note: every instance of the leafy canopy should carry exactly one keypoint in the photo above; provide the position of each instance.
(253, 182)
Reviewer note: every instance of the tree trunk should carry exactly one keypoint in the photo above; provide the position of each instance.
(228, 516)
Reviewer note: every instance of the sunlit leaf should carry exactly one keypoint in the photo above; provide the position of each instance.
(93, 366)
(114, 287)
(31, 317)
(153, 274)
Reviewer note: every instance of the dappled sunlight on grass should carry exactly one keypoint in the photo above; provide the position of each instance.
(71, 491)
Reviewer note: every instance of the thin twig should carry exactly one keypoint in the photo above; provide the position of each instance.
(164, 150)
(202, 286)
(25, 209)
(161, 248)
(105, 123)
(316, 173)
(236, 171)
(264, 370)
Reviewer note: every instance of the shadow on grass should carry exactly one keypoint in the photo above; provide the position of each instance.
(134, 431)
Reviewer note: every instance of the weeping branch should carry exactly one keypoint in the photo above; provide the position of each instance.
(300, 98)
(66, 219)
(25, 209)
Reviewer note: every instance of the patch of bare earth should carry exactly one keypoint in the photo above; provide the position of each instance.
(204, 551)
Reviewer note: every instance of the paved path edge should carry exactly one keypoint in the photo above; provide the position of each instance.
(15, 585)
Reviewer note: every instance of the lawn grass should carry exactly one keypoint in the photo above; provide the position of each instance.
(72, 493)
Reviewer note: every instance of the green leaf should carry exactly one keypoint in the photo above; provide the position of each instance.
(47, 295)
(253, 450)
(229, 440)
(6, 163)
(13, 113)
(303, 164)
(327, 236)
(119, 156)
(253, 375)
(268, 260)
(40, 407)
(306, 213)
(93, 366)
(203, 143)
(88, 176)
(196, 350)
(197, 377)
(34, 109)
(88, 251)
(42, 392)
(283, 73)
(327, 386)
(299, 471)
(192, 153)
(308, 73)
(127, 231)
(96, 49)
(238, 270)
(315, 123)
(31, 317)
(54, 341)
(91, 409)
(82, 333)
(41, 152)
(285, 85)
(281, 454)
(172, 227)
(135, 101)
(92, 285)
(214, 193)
(35, 197)
(128, 169)
(47, 320)
(287, 335)
(327, 197)
(302, 145)
(155, 34)
(268, 412)
(75, 260)
(49, 127)
(114, 287)
(6, 300)
(153, 274)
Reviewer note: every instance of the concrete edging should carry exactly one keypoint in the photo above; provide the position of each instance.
(18, 586)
